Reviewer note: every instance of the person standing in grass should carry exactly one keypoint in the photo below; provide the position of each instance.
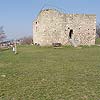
(15, 48)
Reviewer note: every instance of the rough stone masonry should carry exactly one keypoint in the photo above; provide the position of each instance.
(52, 26)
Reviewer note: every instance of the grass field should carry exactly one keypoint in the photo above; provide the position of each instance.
(98, 41)
(47, 73)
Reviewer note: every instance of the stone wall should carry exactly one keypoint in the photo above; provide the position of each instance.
(52, 26)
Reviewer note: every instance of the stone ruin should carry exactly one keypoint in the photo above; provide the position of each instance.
(52, 26)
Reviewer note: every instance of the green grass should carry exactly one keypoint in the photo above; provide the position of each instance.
(45, 73)
(98, 41)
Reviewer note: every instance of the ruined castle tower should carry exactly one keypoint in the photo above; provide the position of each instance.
(52, 26)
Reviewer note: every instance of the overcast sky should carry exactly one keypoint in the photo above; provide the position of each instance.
(17, 15)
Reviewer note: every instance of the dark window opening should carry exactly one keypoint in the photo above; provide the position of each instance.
(68, 28)
(70, 34)
(36, 22)
(47, 9)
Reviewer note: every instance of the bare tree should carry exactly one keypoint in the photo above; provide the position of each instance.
(2, 34)
(98, 29)
(27, 40)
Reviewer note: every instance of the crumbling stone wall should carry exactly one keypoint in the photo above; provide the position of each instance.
(52, 26)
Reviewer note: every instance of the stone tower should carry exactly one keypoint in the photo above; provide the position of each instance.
(52, 26)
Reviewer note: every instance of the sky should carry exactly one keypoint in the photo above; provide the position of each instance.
(16, 16)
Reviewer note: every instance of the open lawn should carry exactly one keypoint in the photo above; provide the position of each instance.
(47, 73)
(98, 41)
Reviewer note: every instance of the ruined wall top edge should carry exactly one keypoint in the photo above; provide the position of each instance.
(65, 14)
(58, 11)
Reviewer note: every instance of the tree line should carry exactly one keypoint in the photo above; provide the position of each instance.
(2, 34)
(98, 30)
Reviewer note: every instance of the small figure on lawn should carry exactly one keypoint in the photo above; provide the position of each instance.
(15, 48)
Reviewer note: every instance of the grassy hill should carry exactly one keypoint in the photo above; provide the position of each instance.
(47, 73)
(98, 41)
